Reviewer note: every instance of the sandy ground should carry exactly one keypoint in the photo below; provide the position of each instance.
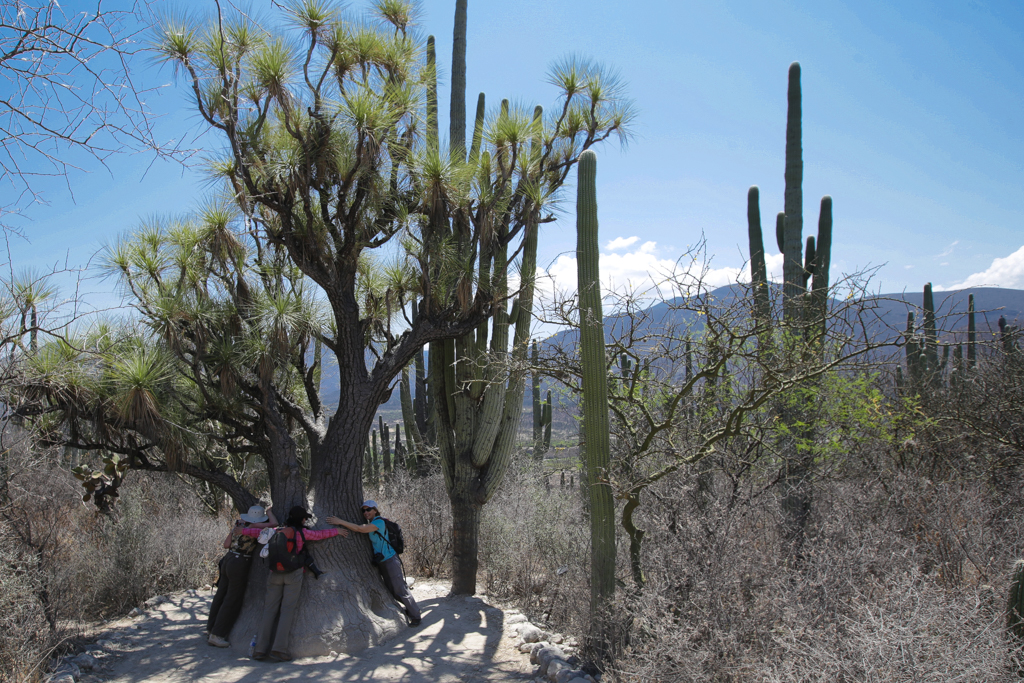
(460, 639)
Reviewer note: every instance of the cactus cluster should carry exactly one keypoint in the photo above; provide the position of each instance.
(380, 460)
(931, 364)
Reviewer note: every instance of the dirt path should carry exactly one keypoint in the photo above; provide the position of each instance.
(460, 639)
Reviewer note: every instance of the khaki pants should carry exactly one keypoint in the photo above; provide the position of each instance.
(282, 592)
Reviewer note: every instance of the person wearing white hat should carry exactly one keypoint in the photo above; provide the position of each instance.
(388, 563)
(234, 575)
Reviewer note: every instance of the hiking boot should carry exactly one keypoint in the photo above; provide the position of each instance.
(276, 656)
(259, 656)
(415, 622)
(217, 641)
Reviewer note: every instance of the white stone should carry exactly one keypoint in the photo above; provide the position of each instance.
(135, 611)
(61, 677)
(526, 647)
(530, 633)
(546, 654)
(515, 619)
(558, 639)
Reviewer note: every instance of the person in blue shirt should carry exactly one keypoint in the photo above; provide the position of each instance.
(385, 557)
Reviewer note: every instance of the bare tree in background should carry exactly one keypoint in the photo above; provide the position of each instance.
(68, 97)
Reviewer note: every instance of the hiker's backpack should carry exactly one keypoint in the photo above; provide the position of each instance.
(394, 537)
(280, 558)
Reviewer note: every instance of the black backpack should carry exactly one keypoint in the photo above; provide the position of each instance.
(394, 536)
(280, 558)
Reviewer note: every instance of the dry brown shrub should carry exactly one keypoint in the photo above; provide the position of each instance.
(901, 582)
(67, 566)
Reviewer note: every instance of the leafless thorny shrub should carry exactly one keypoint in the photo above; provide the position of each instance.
(66, 566)
(903, 582)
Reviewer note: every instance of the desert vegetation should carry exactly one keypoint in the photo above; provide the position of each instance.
(768, 481)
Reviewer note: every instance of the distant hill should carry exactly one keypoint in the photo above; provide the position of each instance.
(890, 318)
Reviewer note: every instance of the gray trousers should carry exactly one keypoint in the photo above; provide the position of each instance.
(282, 592)
(391, 571)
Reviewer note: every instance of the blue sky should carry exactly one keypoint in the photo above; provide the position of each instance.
(912, 117)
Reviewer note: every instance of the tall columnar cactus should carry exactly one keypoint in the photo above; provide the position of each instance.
(385, 442)
(792, 240)
(541, 409)
(931, 337)
(972, 334)
(595, 387)
(804, 309)
(457, 112)
(1015, 605)
(538, 409)
(546, 423)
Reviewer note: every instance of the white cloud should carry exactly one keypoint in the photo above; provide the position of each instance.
(948, 250)
(621, 243)
(1006, 271)
(641, 271)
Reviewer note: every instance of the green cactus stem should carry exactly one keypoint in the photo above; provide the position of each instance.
(822, 265)
(535, 389)
(546, 421)
(457, 112)
(972, 333)
(792, 241)
(385, 442)
(478, 127)
(758, 269)
(595, 388)
(432, 130)
(931, 338)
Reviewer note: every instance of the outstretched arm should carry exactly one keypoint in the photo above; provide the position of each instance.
(361, 528)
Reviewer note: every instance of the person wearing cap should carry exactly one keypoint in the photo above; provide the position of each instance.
(388, 563)
(283, 587)
(234, 575)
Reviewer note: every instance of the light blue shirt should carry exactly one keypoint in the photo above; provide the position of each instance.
(379, 544)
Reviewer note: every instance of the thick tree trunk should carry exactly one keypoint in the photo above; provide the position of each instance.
(349, 608)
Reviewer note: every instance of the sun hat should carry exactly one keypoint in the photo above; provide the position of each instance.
(255, 515)
(370, 504)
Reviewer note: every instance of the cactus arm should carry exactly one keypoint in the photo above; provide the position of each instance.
(432, 131)
(457, 113)
(478, 127)
(758, 269)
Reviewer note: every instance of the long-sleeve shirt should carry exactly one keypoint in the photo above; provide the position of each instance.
(309, 534)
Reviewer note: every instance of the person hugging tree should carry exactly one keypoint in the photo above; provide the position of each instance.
(384, 556)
